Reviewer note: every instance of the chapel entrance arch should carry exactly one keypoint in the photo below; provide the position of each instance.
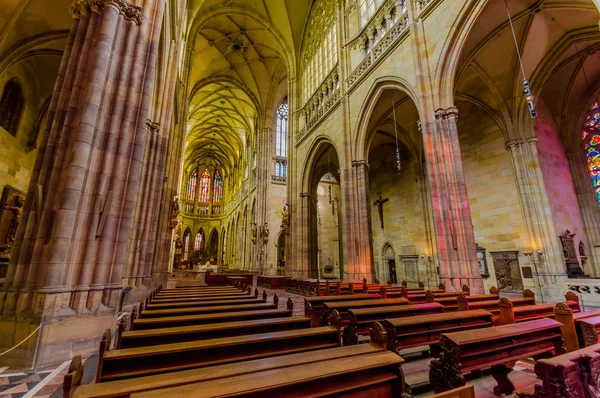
(395, 184)
(325, 230)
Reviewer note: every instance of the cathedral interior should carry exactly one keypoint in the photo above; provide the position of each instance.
(151, 146)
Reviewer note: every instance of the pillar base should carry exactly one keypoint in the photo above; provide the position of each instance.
(60, 340)
(456, 283)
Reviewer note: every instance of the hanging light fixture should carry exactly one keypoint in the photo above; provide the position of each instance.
(526, 88)
(398, 159)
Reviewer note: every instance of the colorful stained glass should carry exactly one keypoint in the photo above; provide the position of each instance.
(198, 242)
(591, 138)
(218, 189)
(191, 186)
(186, 246)
(204, 194)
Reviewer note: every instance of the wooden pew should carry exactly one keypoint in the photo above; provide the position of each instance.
(450, 303)
(416, 331)
(273, 282)
(342, 307)
(496, 347)
(374, 375)
(124, 388)
(359, 319)
(142, 361)
(467, 391)
(579, 329)
(511, 314)
(570, 375)
(421, 297)
(400, 291)
(207, 303)
(140, 338)
(223, 307)
(464, 304)
(202, 295)
(188, 320)
(235, 296)
(313, 306)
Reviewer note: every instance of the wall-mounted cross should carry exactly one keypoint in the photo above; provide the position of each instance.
(379, 203)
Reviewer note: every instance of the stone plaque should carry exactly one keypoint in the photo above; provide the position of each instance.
(410, 267)
(527, 272)
(508, 271)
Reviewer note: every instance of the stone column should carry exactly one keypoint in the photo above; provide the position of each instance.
(551, 275)
(303, 253)
(363, 221)
(453, 228)
(590, 210)
(71, 245)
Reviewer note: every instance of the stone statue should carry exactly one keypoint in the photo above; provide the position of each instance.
(177, 236)
(174, 212)
(254, 232)
(265, 233)
(14, 222)
(285, 220)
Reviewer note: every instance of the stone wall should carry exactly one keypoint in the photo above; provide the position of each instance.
(557, 177)
(404, 228)
(493, 197)
(328, 229)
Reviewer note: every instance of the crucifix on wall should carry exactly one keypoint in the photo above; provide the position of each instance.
(379, 203)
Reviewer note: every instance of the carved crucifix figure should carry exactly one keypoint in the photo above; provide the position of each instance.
(379, 203)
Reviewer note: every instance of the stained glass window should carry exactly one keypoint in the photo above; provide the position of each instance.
(282, 130)
(204, 194)
(591, 142)
(11, 106)
(218, 189)
(198, 242)
(186, 246)
(191, 186)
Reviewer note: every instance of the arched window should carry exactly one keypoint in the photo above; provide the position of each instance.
(591, 145)
(204, 195)
(282, 130)
(198, 242)
(186, 246)
(191, 186)
(367, 9)
(11, 106)
(218, 189)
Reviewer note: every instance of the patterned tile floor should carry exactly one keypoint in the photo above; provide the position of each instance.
(47, 383)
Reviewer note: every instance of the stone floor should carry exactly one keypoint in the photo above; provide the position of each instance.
(48, 382)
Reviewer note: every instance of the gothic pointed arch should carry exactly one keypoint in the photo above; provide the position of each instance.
(12, 103)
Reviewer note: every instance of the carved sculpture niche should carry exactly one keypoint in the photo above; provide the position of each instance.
(571, 262)
(508, 271)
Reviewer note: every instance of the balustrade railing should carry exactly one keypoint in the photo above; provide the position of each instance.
(588, 291)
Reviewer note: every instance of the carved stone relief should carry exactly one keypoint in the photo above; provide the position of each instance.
(409, 263)
(508, 271)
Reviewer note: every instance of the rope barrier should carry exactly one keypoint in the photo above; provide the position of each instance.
(26, 338)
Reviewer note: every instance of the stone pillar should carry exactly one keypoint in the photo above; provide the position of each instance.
(550, 271)
(590, 210)
(71, 245)
(453, 227)
(303, 251)
(363, 221)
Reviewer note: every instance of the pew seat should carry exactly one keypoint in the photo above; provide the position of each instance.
(497, 348)
(313, 306)
(374, 375)
(342, 307)
(360, 319)
(573, 374)
(224, 307)
(187, 320)
(416, 331)
(207, 303)
(148, 337)
(510, 314)
(141, 361)
(124, 388)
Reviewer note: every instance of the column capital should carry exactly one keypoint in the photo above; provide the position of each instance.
(513, 143)
(304, 195)
(129, 12)
(360, 163)
(532, 140)
(440, 114)
(153, 126)
(452, 113)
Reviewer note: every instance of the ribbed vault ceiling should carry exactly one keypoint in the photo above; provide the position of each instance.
(558, 40)
(239, 55)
